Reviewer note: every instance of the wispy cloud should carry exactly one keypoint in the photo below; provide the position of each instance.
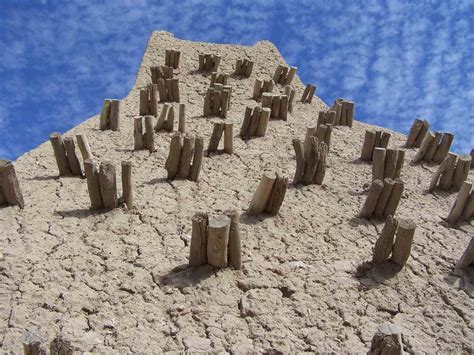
(397, 59)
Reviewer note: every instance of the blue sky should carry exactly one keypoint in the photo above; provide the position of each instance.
(396, 59)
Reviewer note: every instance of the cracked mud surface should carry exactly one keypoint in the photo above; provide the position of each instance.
(117, 281)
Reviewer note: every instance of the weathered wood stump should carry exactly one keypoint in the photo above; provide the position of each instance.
(344, 112)
(218, 241)
(403, 242)
(278, 105)
(93, 185)
(182, 118)
(198, 248)
(10, 192)
(166, 119)
(60, 154)
(110, 115)
(262, 86)
(108, 185)
(463, 202)
(209, 62)
(387, 163)
(255, 122)
(185, 157)
(138, 136)
(461, 171)
(217, 101)
(243, 67)
(234, 254)
(310, 163)
(161, 72)
(84, 147)
(372, 140)
(434, 146)
(387, 341)
(284, 75)
(127, 185)
(417, 133)
(374, 192)
(269, 195)
(384, 244)
(218, 78)
(71, 156)
(308, 94)
(149, 100)
(172, 58)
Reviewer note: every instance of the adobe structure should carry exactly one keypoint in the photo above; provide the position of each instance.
(117, 277)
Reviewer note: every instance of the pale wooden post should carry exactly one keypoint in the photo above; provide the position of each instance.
(446, 179)
(115, 115)
(104, 115)
(374, 192)
(462, 171)
(197, 159)
(108, 185)
(60, 154)
(198, 248)
(149, 134)
(262, 194)
(394, 199)
(467, 258)
(218, 241)
(182, 118)
(378, 163)
(368, 145)
(187, 153)
(217, 131)
(384, 244)
(461, 199)
(172, 163)
(228, 138)
(84, 147)
(403, 242)
(443, 147)
(277, 195)
(127, 185)
(93, 186)
(71, 156)
(138, 133)
(9, 186)
(234, 254)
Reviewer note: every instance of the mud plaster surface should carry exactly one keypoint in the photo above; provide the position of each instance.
(117, 281)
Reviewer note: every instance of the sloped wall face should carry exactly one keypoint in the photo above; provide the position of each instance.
(119, 280)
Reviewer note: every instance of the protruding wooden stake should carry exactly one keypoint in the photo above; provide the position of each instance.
(228, 138)
(93, 186)
(127, 186)
(384, 244)
(462, 171)
(403, 242)
(115, 115)
(368, 145)
(413, 133)
(187, 153)
(263, 122)
(84, 147)
(468, 211)
(9, 186)
(262, 194)
(432, 147)
(197, 160)
(72, 159)
(391, 157)
(374, 192)
(172, 163)
(218, 241)
(384, 197)
(460, 203)
(277, 195)
(104, 115)
(182, 118)
(394, 199)
(138, 133)
(149, 134)
(421, 134)
(300, 160)
(234, 254)
(215, 137)
(198, 248)
(400, 162)
(108, 185)
(378, 164)
(423, 148)
(446, 179)
(443, 148)
(60, 154)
